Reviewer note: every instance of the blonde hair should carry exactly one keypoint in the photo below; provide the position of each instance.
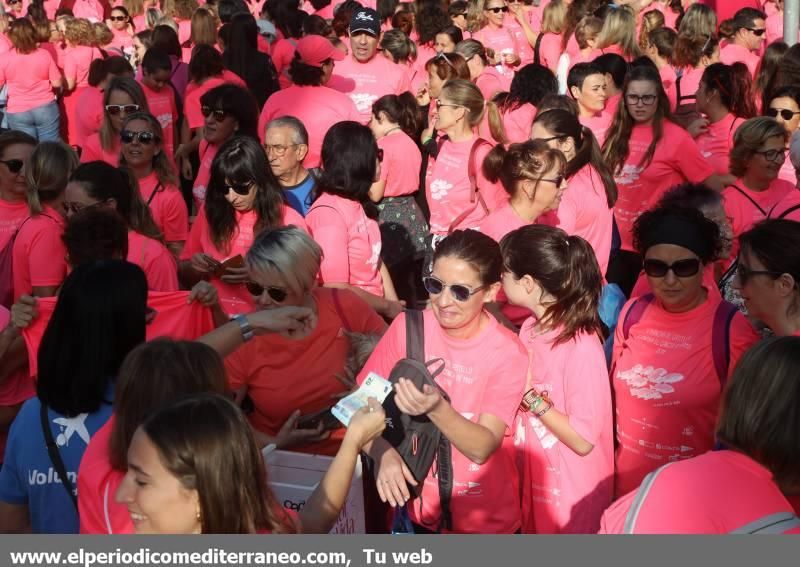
(651, 21)
(165, 172)
(554, 17)
(291, 253)
(47, 173)
(698, 21)
(102, 35)
(134, 7)
(475, 16)
(749, 137)
(464, 93)
(134, 90)
(588, 28)
(619, 28)
(204, 27)
(79, 31)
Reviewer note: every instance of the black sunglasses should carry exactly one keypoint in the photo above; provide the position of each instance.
(682, 268)
(498, 10)
(145, 138)
(239, 188)
(219, 115)
(758, 31)
(115, 109)
(460, 292)
(785, 113)
(743, 273)
(118, 18)
(276, 294)
(13, 165)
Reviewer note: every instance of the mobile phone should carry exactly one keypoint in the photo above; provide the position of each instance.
(312, 420)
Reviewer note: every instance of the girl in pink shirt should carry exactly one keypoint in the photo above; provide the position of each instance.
(144, 155)
(667, 374)
(484, 393)
(619, 33)
(499, 38)
(99, 184)
(586, 209)
(342, 218)
(784, 106)
(759, 465)
(487, 78)
(243, 199)
(564, 431)
(39, 255)
(121, 26)
(77, 59)
(548, 47)
(725, 99)
(122, 97)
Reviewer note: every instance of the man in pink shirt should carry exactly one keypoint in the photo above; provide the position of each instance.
(365, 76)
(749, 29)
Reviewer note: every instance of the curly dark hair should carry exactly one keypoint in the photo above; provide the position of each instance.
(530, 85)
(304, 75)
(651, 221)
(431, 19)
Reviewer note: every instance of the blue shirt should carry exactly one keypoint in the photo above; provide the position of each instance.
(299, 196)
(28, 477)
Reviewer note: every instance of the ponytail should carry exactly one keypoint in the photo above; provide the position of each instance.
(496, 126)
(528, 160)
(727, 29)
(735, 87)
(493, 163)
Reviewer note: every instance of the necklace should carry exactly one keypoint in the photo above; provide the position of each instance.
(390, 130)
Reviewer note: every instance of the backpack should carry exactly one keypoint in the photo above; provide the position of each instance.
(416, 438)
(685, 107)
(720, 331)
(475, 196)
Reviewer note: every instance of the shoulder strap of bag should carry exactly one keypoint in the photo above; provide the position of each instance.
(537, 46)
(721, 340)
(153, 194)
(415, 335)
(444, 475)
(475, 196)
(749, 198)
(55, 456)
(340, 311)
(635, 313)
(785, 213)
(773, 524)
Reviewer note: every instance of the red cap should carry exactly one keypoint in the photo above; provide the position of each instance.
(314, 50)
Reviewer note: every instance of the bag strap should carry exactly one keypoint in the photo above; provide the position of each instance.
(444, 475)
(153, 194)
(340, 310)
(785, 213)
(638, 500)
(635, 313)
(537, 46)
(475, 196)
(415, 335)
(721, 339)
(773, 524)
(55, 456)
(749, 198)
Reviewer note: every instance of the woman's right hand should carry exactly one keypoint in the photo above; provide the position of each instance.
(24, 311)
(393, 308)
(291, 322)
(203, 263)
(392, 477)
(423, 96)
(290, 435)
(366, 424)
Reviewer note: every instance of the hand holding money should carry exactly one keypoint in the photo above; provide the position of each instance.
(374, 386)
(366, 424)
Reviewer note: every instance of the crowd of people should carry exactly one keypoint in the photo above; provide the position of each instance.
(219, 217)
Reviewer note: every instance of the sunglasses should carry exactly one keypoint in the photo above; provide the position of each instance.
(758, 31)
(498, 10)
(773, 155)
(646, 100)
(276, 294)
(145, 138)
(460, 292)
(12, 2)
(115, 109)
(443, 55)
(13, 165)
(219, 115)
(557, 181)
(743, 273)
(785, 113)
(682, 268)
(118, 18)
(242, 189)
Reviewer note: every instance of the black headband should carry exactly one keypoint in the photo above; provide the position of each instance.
(677, 230)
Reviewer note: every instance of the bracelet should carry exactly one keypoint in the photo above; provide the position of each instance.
(545, 410)
(244, 327)
(537, 401)
(426, 140)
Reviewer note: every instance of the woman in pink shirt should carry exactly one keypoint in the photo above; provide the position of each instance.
(499, 38)
(725, 99)
(548, 47)
(758, 427)
(144, 156)
(342, 218)
(39, 255)
(484, 393)
(486, 77)
(203, 32)
(121, 26)
(89, 113)
(99, 184)
(586, 209)
(564, 433)
(30, 74)
(122, 97)
(673, 349)
(243, 199)
(619, 33)
(77, 59)
(784, 106)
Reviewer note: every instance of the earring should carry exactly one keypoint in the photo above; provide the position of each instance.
(197, 516)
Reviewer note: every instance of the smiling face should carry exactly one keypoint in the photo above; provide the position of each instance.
(762, 169)
(641, 100)
(137, 153)
(760, 292)
(364, 46)
(493, 13)
(156, 500)
(12, 185)
(454, 315)
(676, 294)
(785, 105)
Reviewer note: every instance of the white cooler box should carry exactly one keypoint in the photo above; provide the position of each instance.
(294, 476)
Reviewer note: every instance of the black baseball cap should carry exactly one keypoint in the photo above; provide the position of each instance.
(366, 20)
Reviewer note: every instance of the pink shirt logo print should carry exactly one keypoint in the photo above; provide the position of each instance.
(649, 383)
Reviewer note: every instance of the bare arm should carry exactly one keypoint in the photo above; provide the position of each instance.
(382, 305)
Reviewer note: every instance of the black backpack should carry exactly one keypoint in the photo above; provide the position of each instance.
(416, 438)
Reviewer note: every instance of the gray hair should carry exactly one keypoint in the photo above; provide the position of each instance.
(290, 252)
(300, 134)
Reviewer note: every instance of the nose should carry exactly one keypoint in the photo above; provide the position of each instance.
(264, 300)
(126, 490)
(670, 278)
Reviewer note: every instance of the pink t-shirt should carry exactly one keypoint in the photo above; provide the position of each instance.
(666, 389)
(77, 61)
(88, 113)
(92, 150)
(366, 82)
(351, 243)
(517, 123)
(12, 213)
(732, 53)
(162, 105)
(675, 161)
(401, 164)
(318, 108)
(563, 492)
(550, 50)
(28, 77)
(234, 297)
(167, 206)
(191, 104)
(15, 388)
(715, 493)
(668, 78)
(184, 30)
(787, 171)
(122, 40)
(525, 49)
(503, 41)
(715, 144)
(40, 257)
(774, 27)
(689, 83)
(598, 124)
(206, 151)
(584, 211)
(485, 497)
(449, 190)
(155, 260)
(91, 10)
(490, 82)
(282, 55)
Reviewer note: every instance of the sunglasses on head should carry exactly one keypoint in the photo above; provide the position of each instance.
(498, 10)
(242, 189)
(682, 268)
(118, 18)
(460, 292)
(13, 165)
(219, 115)
(758, 31)
(145, 138)
(276, 294)
(115, 109)
(785, 113)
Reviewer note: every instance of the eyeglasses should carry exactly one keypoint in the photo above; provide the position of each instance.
(551, 138)
(460, 292)
(773, 156)
(682, 268)
(276, 294)
(380, 154)
(446, 104)
(219, 115)
(646, 100)
(758, 31)
(242, 189)
(278, 149)
(13, 165)
(118, 18)
(145, 138)
(498, 10)
(785, 113)
(557, 181)
(72, 207)
(743, 273)
(115, 109)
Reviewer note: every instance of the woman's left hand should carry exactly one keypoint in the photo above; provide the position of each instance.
(205, 294)
(413, 402)
(235, 275)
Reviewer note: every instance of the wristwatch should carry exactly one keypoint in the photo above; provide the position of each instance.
(244, 326)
